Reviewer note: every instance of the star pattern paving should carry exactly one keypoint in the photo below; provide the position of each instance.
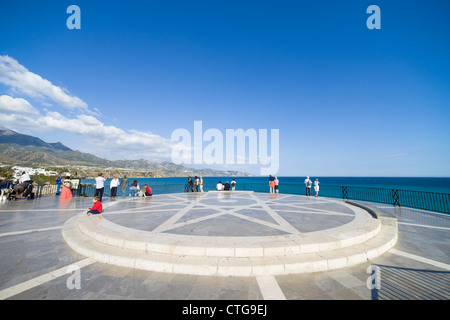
(230, 214)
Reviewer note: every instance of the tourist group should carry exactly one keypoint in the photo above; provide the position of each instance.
(274, 185)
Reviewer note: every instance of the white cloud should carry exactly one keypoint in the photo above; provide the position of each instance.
(110, 141)
(98, 138)
(19, 78)
(16, 105)
(102, 140)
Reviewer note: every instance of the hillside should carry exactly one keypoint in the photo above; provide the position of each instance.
(11, 137)
(23, 150)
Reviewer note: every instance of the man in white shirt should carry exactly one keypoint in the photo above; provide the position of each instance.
(219, 186)
(113, 185)
(99, 186)
(308, 184)
(201, 184)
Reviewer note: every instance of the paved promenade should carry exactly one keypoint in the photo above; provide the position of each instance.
(38, 262)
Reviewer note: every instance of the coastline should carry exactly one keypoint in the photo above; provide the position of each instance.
(426, 184)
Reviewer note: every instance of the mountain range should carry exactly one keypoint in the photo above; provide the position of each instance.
(11, 137)
(18, 149)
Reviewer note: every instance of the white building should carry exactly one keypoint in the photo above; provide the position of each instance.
(32, 171)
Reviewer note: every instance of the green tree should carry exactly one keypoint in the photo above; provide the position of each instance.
(7, 172)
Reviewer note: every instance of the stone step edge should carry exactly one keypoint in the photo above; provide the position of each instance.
(216, 266)
(276, 246)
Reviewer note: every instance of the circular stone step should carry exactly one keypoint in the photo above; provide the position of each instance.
(361, 229)
(354, 242)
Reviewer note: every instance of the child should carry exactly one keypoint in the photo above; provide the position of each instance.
(148, 191)
(96, 208)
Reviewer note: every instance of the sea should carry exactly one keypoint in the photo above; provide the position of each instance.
(429, 184)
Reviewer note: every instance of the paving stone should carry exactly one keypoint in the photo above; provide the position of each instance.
(32, 254)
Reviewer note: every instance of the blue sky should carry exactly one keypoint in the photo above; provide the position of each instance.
(348, 101)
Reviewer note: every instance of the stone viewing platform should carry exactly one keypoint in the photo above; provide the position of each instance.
(221, 245)
(231, 234)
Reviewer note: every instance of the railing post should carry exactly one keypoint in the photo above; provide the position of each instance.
(395, 198)
(344, 193)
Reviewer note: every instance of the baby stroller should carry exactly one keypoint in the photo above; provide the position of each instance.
(22, 190)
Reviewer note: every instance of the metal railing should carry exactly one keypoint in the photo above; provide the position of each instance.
(432, 201)
(88, 190)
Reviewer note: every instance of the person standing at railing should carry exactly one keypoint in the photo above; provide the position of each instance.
(201, 184)
(196, 183)
(316, 187)
(100, 186)
(276, 181)
(233, 185)
(190, 185)
(308, 185)
(113, 186)
(271, 183)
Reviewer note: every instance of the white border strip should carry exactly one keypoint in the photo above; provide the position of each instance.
(13, 233)
(269, 288)
(422, 225)
(27, 285)
(421, 259)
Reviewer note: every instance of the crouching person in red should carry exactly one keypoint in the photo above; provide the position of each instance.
(148, 191)
(96, 208)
